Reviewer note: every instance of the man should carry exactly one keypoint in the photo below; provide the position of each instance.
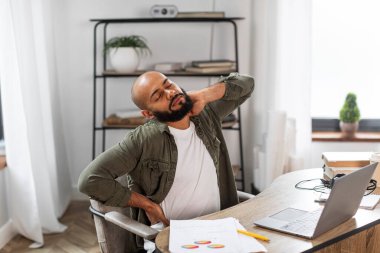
(177, 164)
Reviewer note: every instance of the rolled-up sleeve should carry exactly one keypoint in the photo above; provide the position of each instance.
(98, 179)
(238, 89)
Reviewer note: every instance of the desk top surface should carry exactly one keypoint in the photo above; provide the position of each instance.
(282, 194)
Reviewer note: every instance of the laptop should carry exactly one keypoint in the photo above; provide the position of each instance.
(343, 202)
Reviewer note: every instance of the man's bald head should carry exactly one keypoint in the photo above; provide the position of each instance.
(142, 86)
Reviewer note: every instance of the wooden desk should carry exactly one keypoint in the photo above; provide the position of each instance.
(359, 234)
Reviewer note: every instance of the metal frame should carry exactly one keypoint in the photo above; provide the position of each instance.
(105, 23)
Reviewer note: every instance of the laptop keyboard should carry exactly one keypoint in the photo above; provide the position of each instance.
(305, 224)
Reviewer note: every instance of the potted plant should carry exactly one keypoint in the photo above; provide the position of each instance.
(349, 116)
(125, 52)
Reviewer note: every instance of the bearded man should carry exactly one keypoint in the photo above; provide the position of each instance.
(177, 163)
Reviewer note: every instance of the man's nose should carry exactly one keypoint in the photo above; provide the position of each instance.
(170, 94)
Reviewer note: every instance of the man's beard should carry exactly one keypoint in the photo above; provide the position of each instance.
(177, 115)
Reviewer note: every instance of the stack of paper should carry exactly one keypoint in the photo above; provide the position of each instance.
(343, 162)
(209, 235)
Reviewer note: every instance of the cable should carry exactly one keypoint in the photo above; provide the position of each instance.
(318, 188)
(328, 184)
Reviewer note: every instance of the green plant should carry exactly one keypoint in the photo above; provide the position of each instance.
(139, 43)
(350, 111)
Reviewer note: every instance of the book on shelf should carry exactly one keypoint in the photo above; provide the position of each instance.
(229, 121)
(201, 14)
(346, 159)
(213, 63)
(229, 124)
(168, 66)
(209, 70)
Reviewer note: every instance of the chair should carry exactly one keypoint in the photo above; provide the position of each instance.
(114, 227)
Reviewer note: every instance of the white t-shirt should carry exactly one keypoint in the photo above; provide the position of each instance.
(195, 189)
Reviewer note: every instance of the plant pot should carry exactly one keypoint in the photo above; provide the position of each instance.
(124, 59)
(348, 129)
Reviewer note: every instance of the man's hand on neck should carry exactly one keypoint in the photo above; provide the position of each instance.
(204, 96)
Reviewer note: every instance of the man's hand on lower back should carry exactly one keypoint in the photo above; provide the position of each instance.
(155, 214)
(152, 210)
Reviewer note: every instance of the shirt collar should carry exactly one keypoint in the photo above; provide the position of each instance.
(162, 127)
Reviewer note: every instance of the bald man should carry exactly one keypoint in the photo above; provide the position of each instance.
(177, 164)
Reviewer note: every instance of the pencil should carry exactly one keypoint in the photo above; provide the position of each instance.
(254, 235)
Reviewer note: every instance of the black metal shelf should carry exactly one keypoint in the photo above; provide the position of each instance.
(163, 20)
(187, 74)
(106, 74)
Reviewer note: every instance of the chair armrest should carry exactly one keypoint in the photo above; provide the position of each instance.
(131, 225)
(243, 196)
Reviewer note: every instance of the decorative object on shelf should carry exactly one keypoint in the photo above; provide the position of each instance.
(213, 63)
(163, 11)
(125, 52)
(212, 66)
(115, 121)
(211, 70)
(349, 116)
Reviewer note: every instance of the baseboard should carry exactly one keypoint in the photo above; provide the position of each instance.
(7, 232)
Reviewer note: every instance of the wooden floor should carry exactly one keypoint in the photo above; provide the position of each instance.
(79, 236)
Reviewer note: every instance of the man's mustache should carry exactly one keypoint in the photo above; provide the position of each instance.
(174, 98)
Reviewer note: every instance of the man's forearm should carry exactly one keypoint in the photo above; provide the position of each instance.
(213, 92)
(139, 201)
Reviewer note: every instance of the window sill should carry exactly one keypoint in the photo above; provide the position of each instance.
(337, 137)
(3, 162)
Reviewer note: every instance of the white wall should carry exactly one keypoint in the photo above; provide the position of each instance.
(169, 42)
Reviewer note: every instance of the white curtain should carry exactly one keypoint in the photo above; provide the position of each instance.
(281, 61)
(38, 183)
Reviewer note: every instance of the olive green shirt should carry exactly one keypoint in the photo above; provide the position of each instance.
(148, 154)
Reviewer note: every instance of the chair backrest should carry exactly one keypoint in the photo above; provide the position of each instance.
(112, 238)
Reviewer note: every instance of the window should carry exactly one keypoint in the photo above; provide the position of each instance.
(345, 58)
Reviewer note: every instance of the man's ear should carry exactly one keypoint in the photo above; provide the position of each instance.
(147, 114)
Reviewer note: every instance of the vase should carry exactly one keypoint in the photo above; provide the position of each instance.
(124, 59)
(348, 129)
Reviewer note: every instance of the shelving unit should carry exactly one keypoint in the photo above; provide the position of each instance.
(101, 27)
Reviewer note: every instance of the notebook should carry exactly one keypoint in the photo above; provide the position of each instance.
(342, 204)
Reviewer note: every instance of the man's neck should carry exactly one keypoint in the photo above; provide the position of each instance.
(181, 124)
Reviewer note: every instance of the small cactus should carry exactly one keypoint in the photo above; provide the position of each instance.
(350, 111)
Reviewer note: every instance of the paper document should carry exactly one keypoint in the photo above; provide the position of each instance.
(368, 202)
(219, 236)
